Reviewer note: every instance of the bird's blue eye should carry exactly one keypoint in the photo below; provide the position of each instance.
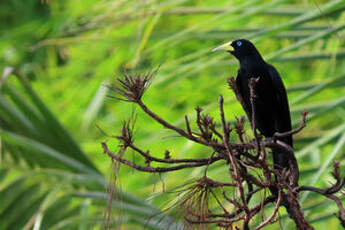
(239, 43)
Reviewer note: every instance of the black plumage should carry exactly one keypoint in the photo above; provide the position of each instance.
(271, 105)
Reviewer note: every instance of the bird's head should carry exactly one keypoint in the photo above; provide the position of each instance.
(240, 48)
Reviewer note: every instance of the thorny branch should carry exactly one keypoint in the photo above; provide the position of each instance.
(250, 172)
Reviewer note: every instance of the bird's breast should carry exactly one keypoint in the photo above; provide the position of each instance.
(264, 101)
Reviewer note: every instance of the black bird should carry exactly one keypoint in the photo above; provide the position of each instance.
(272, 113)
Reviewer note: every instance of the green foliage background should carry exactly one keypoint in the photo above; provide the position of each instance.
(52, 171)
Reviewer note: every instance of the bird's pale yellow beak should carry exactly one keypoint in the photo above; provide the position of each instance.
(227, 47)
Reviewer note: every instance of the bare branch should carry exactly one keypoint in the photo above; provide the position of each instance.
(188, 126)
(152, 169)
(252, 83)
(294, 131)
(174, 161)
(176, 129)
(233, 161)
(274, 213)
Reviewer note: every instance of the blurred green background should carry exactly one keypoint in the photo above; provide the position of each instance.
(54, 109)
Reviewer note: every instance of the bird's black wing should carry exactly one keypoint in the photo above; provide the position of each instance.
(283, 121)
